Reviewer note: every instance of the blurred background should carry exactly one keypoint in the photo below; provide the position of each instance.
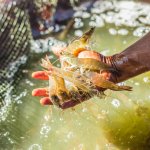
(28, 31)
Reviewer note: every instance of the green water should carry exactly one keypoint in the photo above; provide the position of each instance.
(119, 121)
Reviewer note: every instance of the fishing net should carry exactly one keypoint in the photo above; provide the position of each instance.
(20, 22)
(15, 35)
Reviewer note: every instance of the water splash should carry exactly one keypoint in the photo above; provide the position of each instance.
(41, 46)
(117, 13)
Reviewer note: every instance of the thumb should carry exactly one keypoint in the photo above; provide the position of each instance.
(91, 54)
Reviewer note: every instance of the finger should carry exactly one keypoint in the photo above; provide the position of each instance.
(90, 54)
(45, 101)
(42, 75)
(58, 50)
(40, 92)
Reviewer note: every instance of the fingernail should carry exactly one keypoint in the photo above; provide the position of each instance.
(45, 101)
(39, 92)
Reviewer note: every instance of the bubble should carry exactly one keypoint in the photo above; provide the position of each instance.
(47, 117)
(61, 119)
(78, 13)
(10, 140)
(70, 135)
(84, 109)
(123, 31)
(108, 19)
(35, 147)
(140, 31)
(6, 134)
(137, 83)
(78, 23)
(29, 82)
(112, 31)
(78, 33)
(97, 21)
(85, 15)
(115, 102)
(124, 42)
(146, 79)
(45, 130)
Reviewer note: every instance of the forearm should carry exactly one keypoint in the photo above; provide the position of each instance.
(134, 60)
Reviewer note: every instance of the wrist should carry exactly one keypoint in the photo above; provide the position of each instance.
(127, 65)
(113, 75)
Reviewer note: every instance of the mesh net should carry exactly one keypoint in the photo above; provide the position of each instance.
(15, 35)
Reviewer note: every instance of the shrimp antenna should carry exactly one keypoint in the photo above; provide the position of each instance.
(46, 63)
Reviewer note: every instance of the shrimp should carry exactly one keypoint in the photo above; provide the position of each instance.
(87, 84)
(83, 75)
(98, 80)
(58, 92)
(74, 77)
(80, 44)
(87, 64)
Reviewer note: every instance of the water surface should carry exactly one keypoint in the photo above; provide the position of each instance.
(119, 121)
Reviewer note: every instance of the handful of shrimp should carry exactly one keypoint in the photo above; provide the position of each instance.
(77, 79)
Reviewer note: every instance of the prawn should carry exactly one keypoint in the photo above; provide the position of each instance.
(80, 44)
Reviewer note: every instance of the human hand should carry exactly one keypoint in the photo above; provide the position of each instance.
(42, 75)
